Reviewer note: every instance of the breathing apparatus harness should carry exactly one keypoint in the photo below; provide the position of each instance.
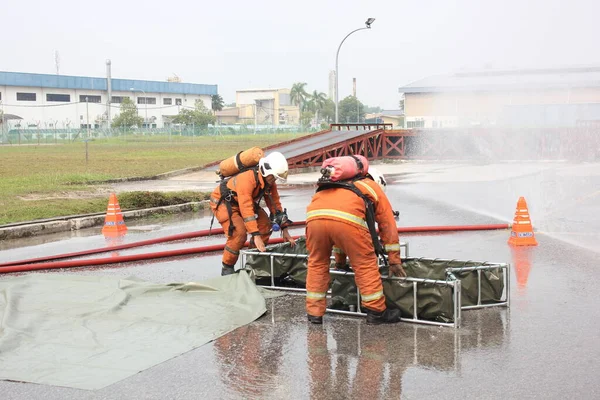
(278, 220)
(325, 183)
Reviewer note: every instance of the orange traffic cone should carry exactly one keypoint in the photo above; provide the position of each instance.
(113, 223)
(522, 230)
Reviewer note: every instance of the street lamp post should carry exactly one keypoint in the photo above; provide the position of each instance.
(145, 103)
(367, 26)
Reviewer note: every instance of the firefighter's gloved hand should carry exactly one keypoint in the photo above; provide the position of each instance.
(258, 242)
(397, 270)
(288, 238)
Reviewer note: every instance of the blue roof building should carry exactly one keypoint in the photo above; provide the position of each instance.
(51, 100)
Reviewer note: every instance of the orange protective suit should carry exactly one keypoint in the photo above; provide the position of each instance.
(247, 189)
(337, 217)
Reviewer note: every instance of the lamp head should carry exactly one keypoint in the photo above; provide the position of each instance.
(369, 22)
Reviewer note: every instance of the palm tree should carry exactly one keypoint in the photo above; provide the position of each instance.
(318, 100)
(217, 103)
(298, 96)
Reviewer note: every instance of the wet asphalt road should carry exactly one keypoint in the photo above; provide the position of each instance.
(547, 345)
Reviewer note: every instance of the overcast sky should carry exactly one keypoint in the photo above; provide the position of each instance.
(257, 44)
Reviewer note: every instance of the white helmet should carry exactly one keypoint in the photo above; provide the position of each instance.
(274, 164)
(377, 177)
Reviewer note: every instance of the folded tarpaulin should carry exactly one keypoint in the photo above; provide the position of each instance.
(88, 332)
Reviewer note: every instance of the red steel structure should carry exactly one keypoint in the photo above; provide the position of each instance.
(380, 141)
(372, 141)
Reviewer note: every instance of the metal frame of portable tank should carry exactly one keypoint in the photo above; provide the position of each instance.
(479, 268)
(451, 280)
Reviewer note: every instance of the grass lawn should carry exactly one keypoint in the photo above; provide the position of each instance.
(53, 180)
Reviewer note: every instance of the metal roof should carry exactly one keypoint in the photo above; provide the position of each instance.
(562, 78)
(392, 113)
(91, 83)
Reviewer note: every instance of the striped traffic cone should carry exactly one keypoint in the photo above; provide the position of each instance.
(113, 222)
(522, 230)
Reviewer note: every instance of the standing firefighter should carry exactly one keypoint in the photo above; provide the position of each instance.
(236, 205)
(342, 214)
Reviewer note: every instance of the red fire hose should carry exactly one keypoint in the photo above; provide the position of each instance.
(170, 238)
(120, 259)
(28, 265)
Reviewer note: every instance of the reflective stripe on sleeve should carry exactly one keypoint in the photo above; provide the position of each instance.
(316, 295)
(392, 247)
(371, 297)
(328, 212)
(252, 218)
(369, 188)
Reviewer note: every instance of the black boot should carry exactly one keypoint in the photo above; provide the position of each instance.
(314, 320)
(227, 269)
(388, 316)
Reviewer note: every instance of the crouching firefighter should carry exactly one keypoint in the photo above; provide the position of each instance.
(235, 203)
(342, 214)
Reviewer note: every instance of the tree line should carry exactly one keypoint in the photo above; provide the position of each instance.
(315, 109)
(319, 108)
(199, 116)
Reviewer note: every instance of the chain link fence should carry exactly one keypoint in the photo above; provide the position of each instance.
(174, 133)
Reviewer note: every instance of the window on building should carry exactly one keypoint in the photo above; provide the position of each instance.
(0, 95)
(146, 100)
(167, 101)
(26, 96)
(85, 126)
(177, 102)
(415, 124)
(90, 98)
(65, 98)
(118, 99)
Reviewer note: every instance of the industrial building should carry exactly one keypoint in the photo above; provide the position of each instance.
(264, 107)
(393, 117)
(46, 101)
(525, 98)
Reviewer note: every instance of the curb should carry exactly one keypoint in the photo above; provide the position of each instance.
(164, 175)
(72, 224)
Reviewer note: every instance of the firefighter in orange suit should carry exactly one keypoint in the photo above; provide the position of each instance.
(337, 217)
(235, 204)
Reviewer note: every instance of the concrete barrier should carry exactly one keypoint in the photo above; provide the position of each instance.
(81, 222)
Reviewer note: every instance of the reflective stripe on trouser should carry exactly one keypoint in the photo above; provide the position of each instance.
(236, 241)
(321, 236)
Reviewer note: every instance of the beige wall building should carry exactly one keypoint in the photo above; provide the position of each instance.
(261, 106)
(394, 117)
(556, 97)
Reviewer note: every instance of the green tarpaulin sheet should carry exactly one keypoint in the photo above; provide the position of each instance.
(88, 332)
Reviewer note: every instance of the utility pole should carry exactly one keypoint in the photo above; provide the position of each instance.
(87, 110)
(108, 92)
(357, 106)
(255, 114)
